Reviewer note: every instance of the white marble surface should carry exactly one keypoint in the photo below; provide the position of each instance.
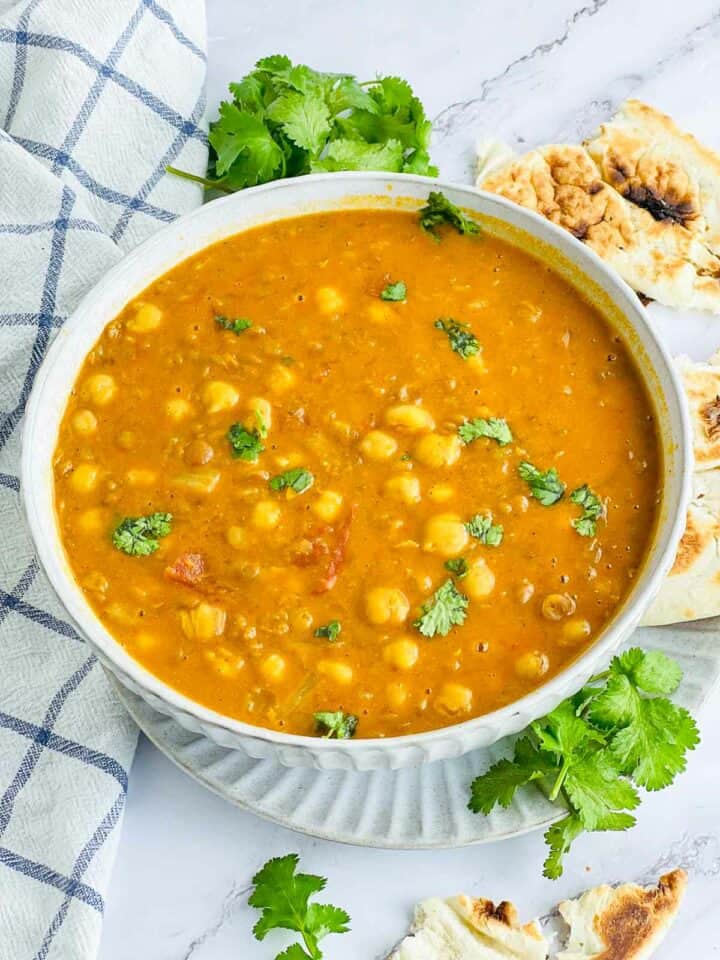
(531, 71)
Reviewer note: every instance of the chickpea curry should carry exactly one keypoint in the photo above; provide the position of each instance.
(357, 472)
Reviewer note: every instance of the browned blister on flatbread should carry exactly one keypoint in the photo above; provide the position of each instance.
(621, 923)
(659, 258)
(654, 164)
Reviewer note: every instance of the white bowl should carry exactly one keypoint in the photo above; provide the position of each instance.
(287, 198)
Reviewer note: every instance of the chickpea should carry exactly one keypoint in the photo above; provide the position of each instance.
(219, 396)
(403, 488)
(575, 631)
(445, 534)
(84, 477)
(266, 515)
(386, 605)
(480, 580)
(411, 418)
(328, 506)
(100, 388)
(92, 521)
(140, 477)
(198, 452)
(555, 606)
(438, 450)
(203, 622)
(177, 408)
(84, 422)
(281, 379)
(329, 300)
(236, 537)
(397, 695)
(476, 364)
(377, 445)
(302, 620)
(532, 665)
(402, 654)
(273, 667)
(441, 492)
(454, 698)
(336, 671)
(147, 318)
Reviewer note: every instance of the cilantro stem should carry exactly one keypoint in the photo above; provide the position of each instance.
(558, 785)
(208, 184)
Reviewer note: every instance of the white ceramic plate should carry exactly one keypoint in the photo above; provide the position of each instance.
(413, 808)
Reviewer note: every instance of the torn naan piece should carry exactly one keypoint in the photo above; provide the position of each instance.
(691, 591)
(661, 259)
(464, 928)
(621, 923)
(651, 162)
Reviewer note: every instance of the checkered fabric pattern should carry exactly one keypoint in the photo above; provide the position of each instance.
(96, 98)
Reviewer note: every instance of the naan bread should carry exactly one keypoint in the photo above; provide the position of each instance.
(691, 590)
(621, 923)
(660, 258)
(462, 928)
(652, 163)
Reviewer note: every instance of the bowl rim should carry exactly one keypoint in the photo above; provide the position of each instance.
(125, 667)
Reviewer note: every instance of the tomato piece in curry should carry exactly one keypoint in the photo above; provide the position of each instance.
(330, 416)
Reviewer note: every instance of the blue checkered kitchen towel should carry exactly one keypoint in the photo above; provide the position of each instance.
(96, 97)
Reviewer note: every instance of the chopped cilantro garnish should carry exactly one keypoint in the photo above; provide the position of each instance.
(592, 507)
(235, 325)
(336, 725)
(395, 291)
(483, 529)
(620, 732)
(286, 119)
(247, 444)
(298, 479)
(283, 897)
(462, 340)
(444, 610)
(440, 210)
(494, 428)
(457, 566)
(138, 536)
(547, 487)
(330, 631)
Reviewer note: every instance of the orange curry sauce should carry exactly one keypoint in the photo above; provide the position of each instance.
(367, 395)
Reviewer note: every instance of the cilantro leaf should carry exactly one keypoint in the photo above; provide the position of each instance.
(304, 118)
(483, 529)
(396, 292)
(346, 154)
(235, 325)
(138, 536)
(559, 838)
(298, 479)
(494, 428)
(498, 785)
(650, 670)
(244, 145)
(544, 486)
(336, 724)
(586, 525)
(598, 794)
(439, 210)
(330, 631)
(283, 896)
(444, 610)
(246, 444)
(457, 566)
(462, 340)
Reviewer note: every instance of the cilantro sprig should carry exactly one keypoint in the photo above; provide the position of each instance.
(444, 610)
(247, 444)
(139, 536)
(298, 479)
(236, 325)
(592, 510)
(287, 119)
(439, 210)
(329, 631)
(283, 896)
(482, 528)
(458, 566)
(494, 428)
(395, 292)
(462, 340)
(546, 486)
(335, 724)
(618, 734)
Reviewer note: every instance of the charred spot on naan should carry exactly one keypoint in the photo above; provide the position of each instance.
(699, 532)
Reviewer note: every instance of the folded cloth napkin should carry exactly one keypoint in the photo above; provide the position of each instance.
(95, 100)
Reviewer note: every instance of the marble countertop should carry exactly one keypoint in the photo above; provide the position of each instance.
(530, 71)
